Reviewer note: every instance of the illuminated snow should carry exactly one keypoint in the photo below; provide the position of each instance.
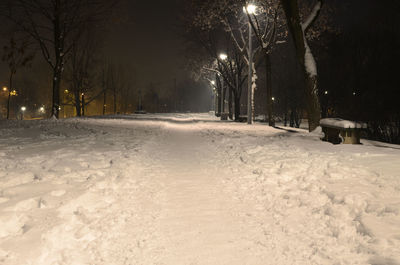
(189, 189)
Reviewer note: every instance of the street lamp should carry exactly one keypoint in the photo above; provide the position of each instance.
(23, 109)
(250, 9)
(223, 57)
(5, 88)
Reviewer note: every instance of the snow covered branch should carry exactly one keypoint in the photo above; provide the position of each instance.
(313, 16)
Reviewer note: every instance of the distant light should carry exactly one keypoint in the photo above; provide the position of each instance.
(223, 56)
(41, 109)
(59, 108)
(213, 82)
(251, 9)
(83, 94)
(13, 93)
(273, 98)
(23, 108)
(5, 88)
(354, 93)
(66, 91)
(326, 92)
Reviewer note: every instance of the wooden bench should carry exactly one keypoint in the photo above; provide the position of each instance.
(342, 131)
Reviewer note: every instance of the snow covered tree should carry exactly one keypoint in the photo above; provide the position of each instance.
(228, 16)
(268, 30)
(305, 57)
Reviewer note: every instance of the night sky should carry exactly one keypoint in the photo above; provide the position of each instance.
(142, 36)
(148, 37)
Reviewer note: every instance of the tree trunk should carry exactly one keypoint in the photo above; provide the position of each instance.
(237, 106)
(77, 103)
(104, 102)
(285, 119)
(230, 103)
(268, 83)
(56, 94)
(223, 94)
(115, 99)
(292, 113)
(9, 95)
(306, 60)
(216, 103)
(83, 104)
(58, 66)
(219, 92)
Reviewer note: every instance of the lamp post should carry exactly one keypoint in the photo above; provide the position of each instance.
(214, 96)
(250, 9)
(83, 104)
(223, 57)
(23, 109)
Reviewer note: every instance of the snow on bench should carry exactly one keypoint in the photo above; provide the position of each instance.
(338, 130)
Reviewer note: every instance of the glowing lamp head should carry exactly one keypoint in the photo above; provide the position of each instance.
(223, 56)
(326, 92)
(213, 82)
(273, 98)
(5, 89)
(23, 108)
(251, 9)
(41, 109)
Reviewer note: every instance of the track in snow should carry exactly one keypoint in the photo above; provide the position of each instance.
(189, 190)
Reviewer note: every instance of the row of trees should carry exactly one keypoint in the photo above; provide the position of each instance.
(61, 30)
(248, 39)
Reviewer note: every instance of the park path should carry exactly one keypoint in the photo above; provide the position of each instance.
(200, 220)
(168, 190)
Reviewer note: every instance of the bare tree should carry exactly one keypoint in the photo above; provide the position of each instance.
(55, 26)
(16, 55)
(81, 73)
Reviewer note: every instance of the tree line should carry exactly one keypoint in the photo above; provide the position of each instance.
(248, 38)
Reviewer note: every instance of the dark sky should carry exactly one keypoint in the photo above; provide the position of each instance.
(144, 37)
(148, 38)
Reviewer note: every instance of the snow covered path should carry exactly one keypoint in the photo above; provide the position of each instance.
(187, 189)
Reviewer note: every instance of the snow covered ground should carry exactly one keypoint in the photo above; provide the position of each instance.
(188, 189)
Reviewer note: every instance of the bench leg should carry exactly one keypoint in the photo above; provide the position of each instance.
(331, 135)
(350, 136)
